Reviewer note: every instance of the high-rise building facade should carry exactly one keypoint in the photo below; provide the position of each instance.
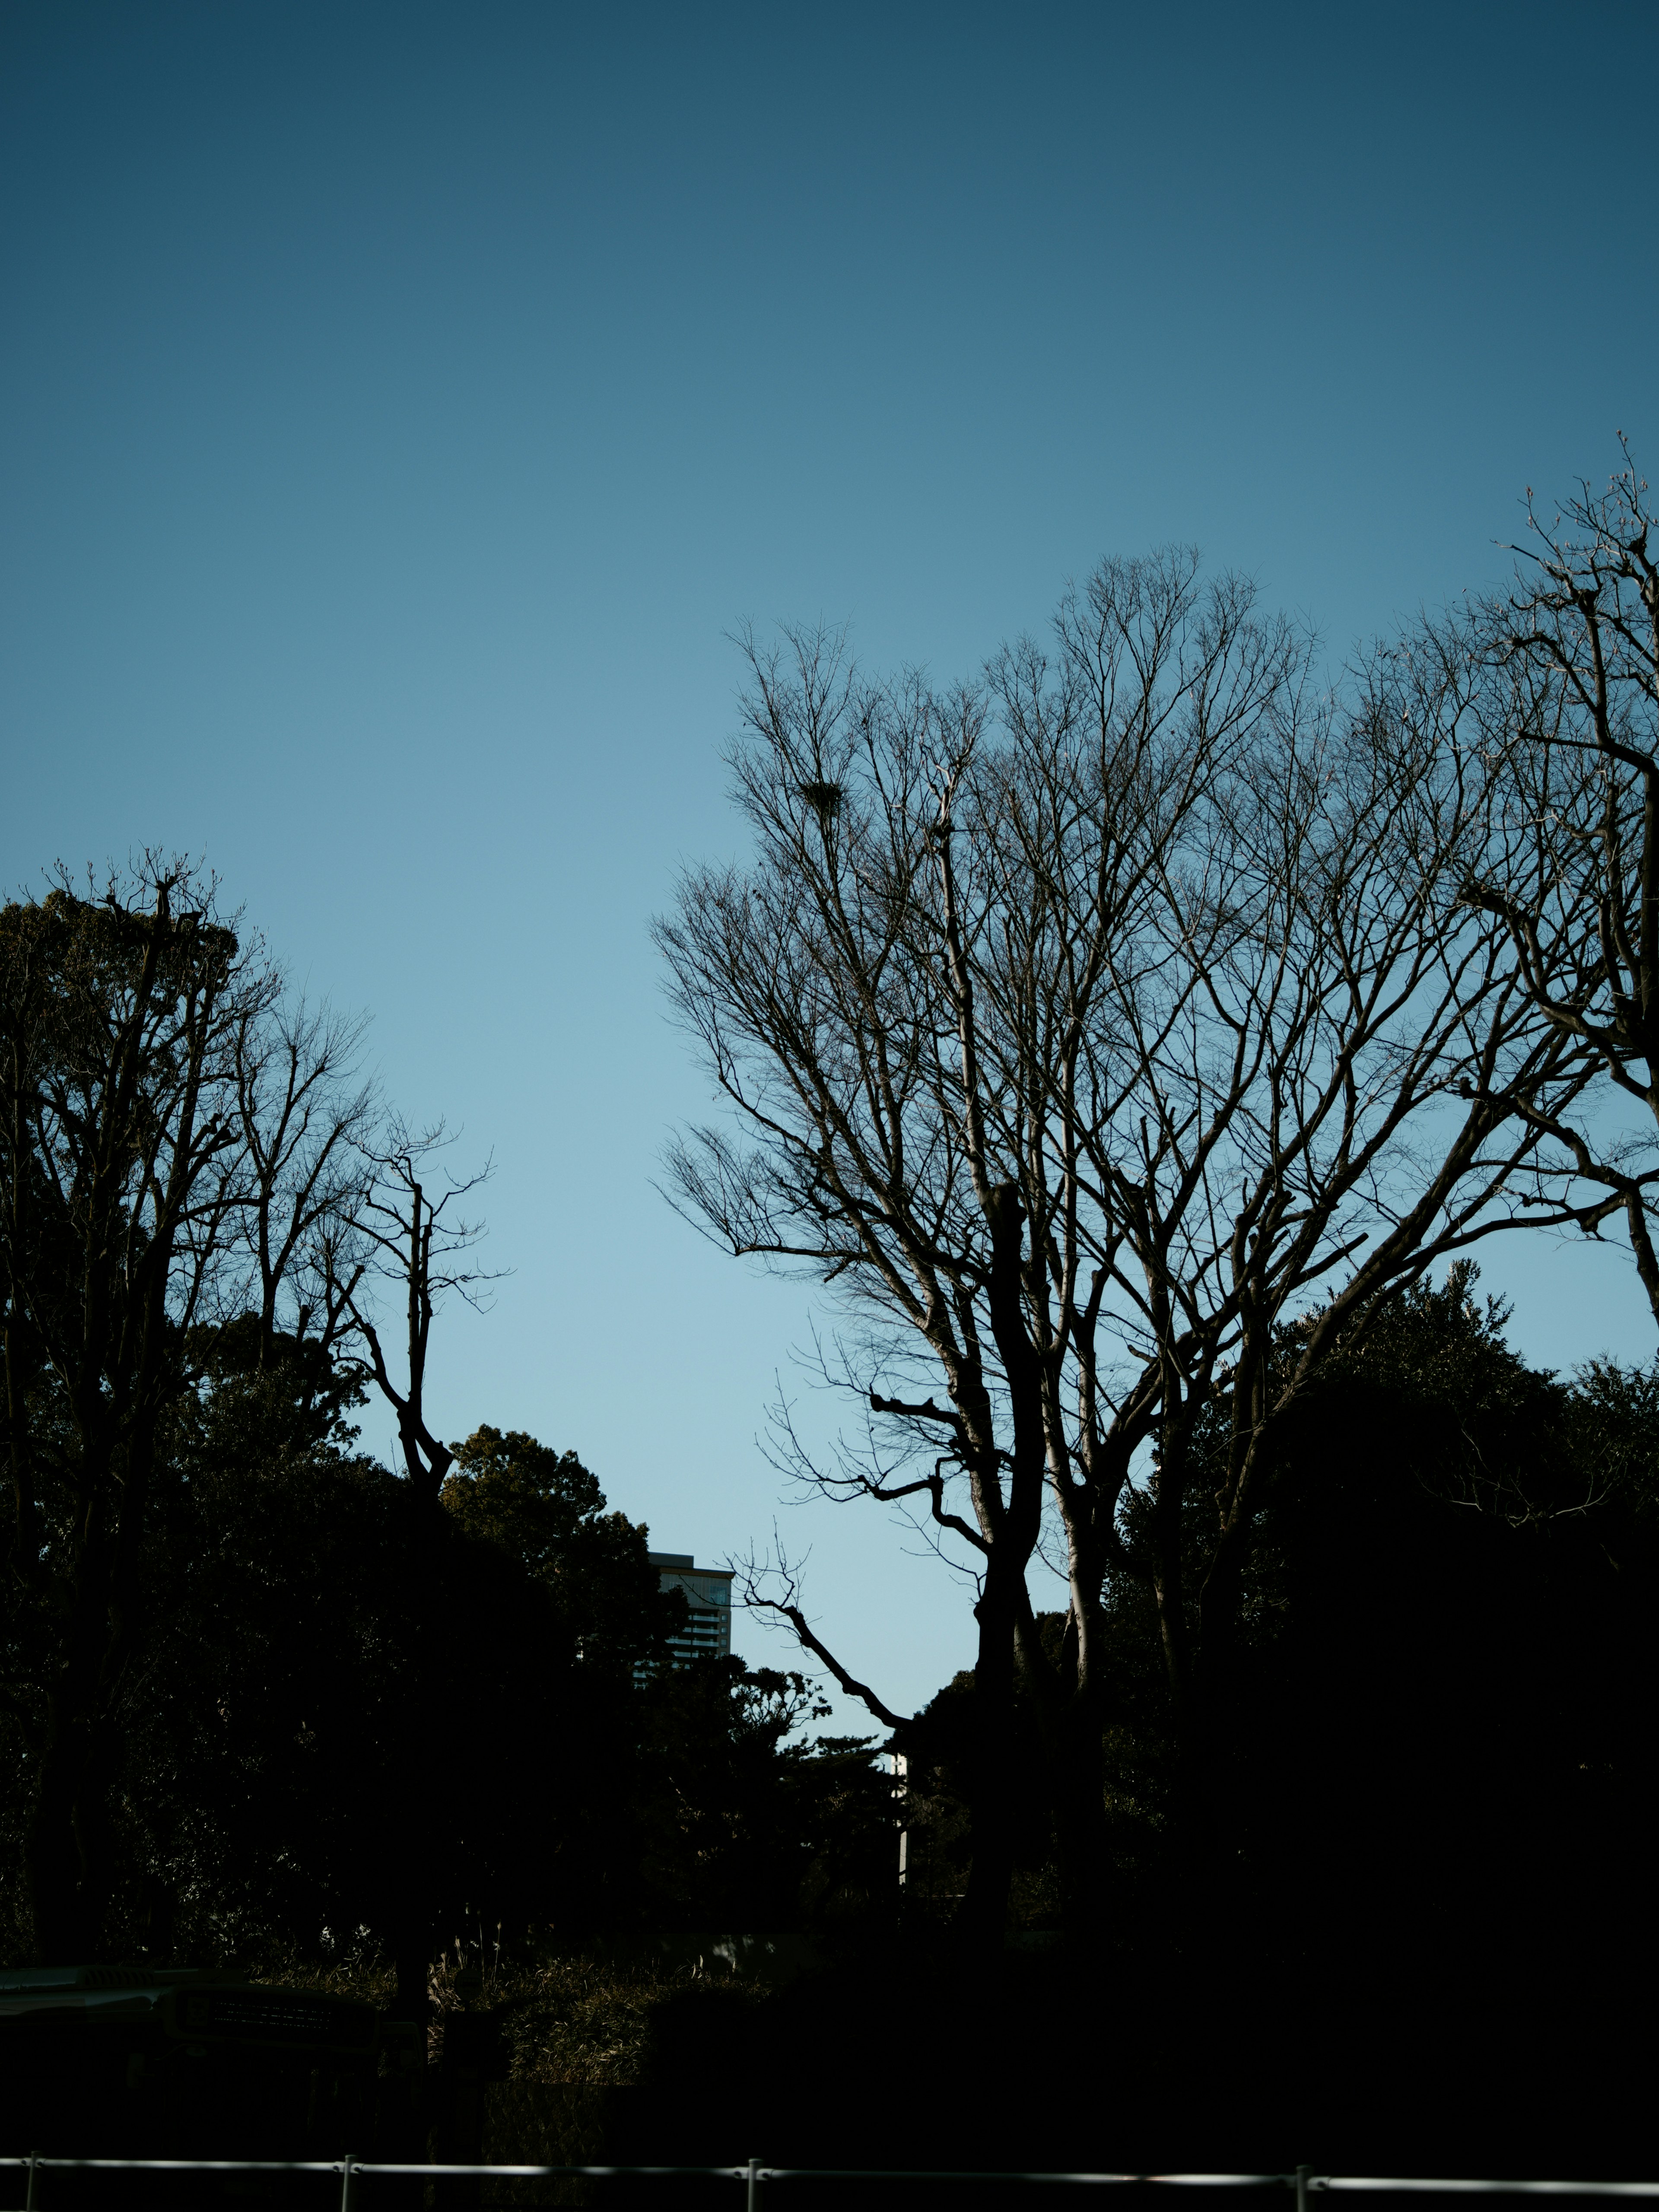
(708, 1594)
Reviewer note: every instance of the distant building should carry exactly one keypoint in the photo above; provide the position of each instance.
(708, 1594)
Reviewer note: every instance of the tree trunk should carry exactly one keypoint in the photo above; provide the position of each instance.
(1012, 1533)
(1204, 1810)
(60, 1905)
(1080, 1818)
(984, 1913)
(413, 1963)
(68, 1840)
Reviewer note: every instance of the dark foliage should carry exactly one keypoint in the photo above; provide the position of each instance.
(747, 1824)
(543, 1510)
(1448, 1747)
(344, 1708)
(1442, 1711)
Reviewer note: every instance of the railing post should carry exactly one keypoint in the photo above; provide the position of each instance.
(345, 2183)
(753, 2204)
(28, 2201)
(1302, 2173)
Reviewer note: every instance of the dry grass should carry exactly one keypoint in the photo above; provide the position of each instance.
(559, 2018)
(569, 2019)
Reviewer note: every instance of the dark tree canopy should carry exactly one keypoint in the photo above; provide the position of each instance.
(546, 1511)
(1444, 1751)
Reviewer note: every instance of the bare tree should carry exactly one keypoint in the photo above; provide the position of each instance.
(119, 1019)
(1568, 701)
(305, 1111)
(192, 1168)
(417, 1246)
(404, 1236)
(1082, 1026)
(1319, 1077)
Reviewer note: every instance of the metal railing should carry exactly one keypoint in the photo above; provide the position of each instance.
(1303, 2180)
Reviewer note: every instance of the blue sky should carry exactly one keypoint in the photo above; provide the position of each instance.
(399, 405)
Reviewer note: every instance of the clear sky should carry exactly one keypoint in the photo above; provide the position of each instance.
(400, 403)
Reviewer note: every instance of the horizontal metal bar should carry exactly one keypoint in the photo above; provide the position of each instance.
(920, 2174)
(1445, 2186)
(730, 2172)
(550, 2172)
(358, 2166)
(1504, 2188)
(553, 2172)
(200, 2165)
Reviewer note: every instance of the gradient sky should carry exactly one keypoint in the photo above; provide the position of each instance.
(399, 404)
